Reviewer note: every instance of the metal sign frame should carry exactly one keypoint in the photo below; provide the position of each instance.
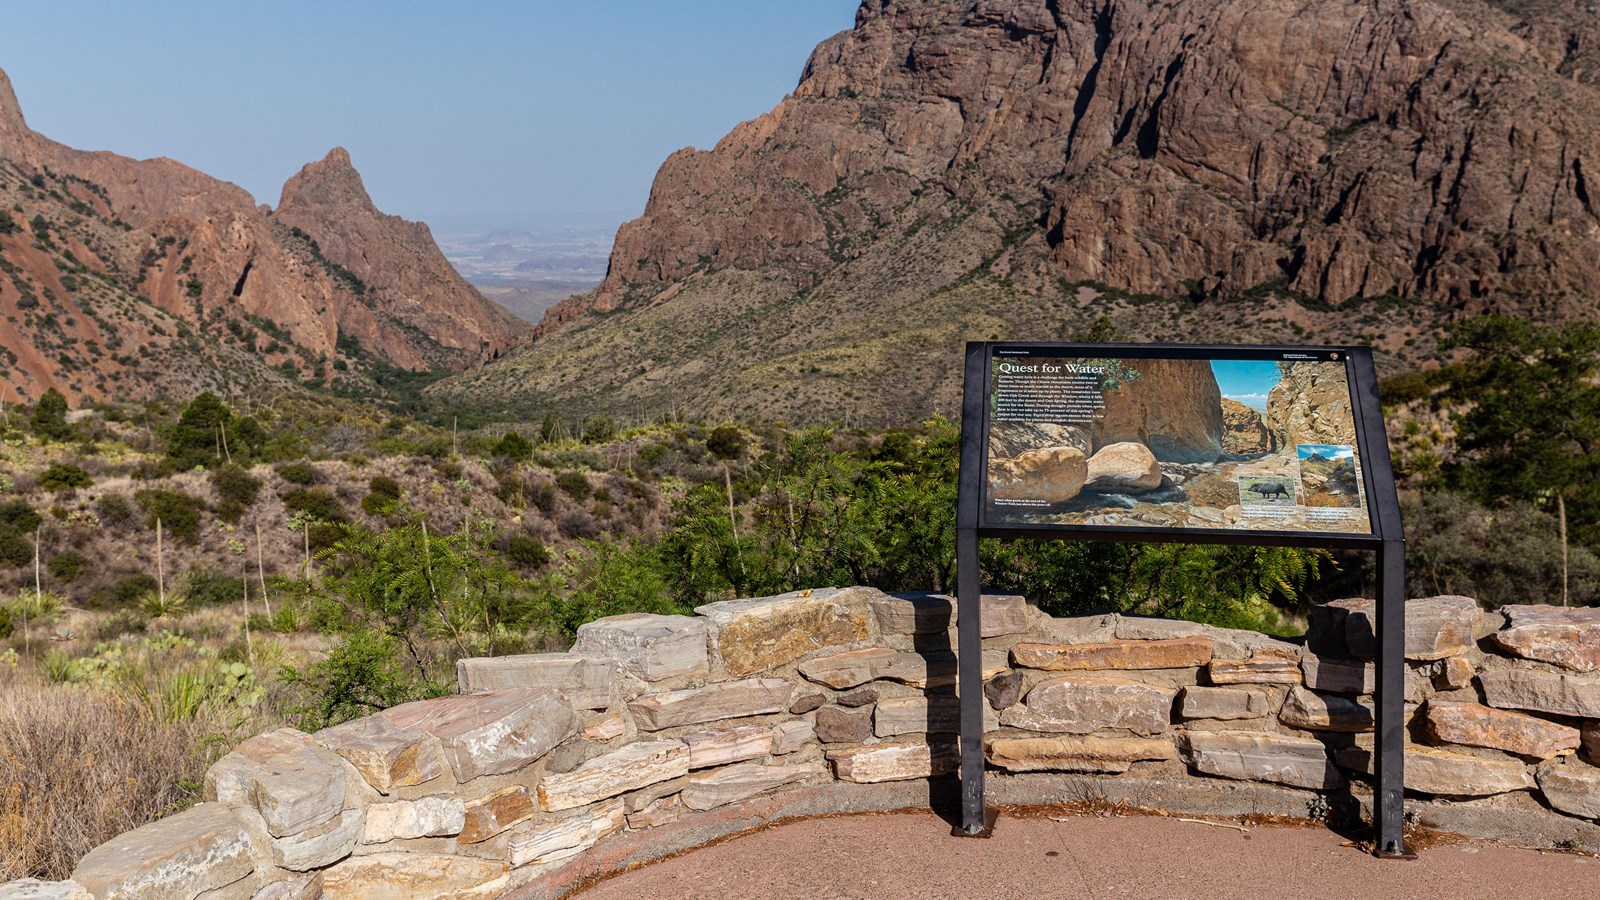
(1387, 541)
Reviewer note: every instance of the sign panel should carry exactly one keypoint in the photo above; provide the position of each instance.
(1240, 439)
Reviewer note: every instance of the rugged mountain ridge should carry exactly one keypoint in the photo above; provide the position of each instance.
(1236, 170)
(133, 278)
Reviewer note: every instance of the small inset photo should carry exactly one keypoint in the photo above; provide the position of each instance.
(1266, 490)
(1328, 472)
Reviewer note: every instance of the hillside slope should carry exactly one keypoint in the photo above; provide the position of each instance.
(1235, 170)
(135, 278)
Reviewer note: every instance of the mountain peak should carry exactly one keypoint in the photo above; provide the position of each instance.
(330, 181)
(12, 125)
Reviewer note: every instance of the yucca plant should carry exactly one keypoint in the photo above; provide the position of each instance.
(157, 605)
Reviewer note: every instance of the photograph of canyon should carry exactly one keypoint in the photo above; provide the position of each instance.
(1253, 444)
(463, 450)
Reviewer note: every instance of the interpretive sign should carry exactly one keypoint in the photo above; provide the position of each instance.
(1240, 438)
(1279, 446)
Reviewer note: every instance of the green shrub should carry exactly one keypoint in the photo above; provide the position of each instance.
(114, 508)
(512, 446)
(18, 516)
(15, 549)
(726, 442)
(67, 565)
(299, 472)
(526, 551)
(125, 593)
(383, 493)
(209, 587)
(64, 478)
(543, 496)
(178, 513)
(49, 419)
(236, 491)
(319, 503)
(574, 485)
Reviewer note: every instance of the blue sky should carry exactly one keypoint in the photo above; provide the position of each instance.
(1246, 380)
(447, 108)
(1326, 451)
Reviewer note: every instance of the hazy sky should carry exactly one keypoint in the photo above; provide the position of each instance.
(447, 108)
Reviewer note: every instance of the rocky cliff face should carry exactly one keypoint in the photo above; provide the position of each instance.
(1013, 168)
(1311, 405)
(126, 278)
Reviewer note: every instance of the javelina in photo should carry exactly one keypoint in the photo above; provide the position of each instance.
(1270, 489)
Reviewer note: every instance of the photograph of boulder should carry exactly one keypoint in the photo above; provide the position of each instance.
(1255, 442)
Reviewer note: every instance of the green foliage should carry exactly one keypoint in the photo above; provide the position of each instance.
(526, 551)
(125, 592)
(49, 419)
(607, 579)
(726, 442)
(8, 225)
(383, 496)
(209, 587)
(178, 513)
(299, 472)
(236, 491)
(512, 446)
(599, 429)
(18, 516)
(64, 478)
(1530, 425)
(574, 485)
(1507, 553)
(206, 434)
(362, 673)
(67, 565)
(114, 508)
(156, 605)
(318, 503)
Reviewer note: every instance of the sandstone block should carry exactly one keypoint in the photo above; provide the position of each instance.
(1452, 673)
(1080, 704)
(633, 767)
(1075, 754)
(1051, 474)
(34, 889)
(1176, 653)
(1000, 614)
(405, 819)
(307, 886)
(1436, 627)
(1324, 712)
(1551, 692)
(1435, 771)
(658, 812)
(806, 703)
(585, 681)
(320, 845)
(1568, 637)
(1144, 628)
(386, 755)
(760, 634)
(860, 697)
(1482, 726)
(1271, 666)
(200, 849)
(1003, 690)
(1591, 741)
(697, 706)
(385, 876)
(719, 748)
(729, 784)
(555, 841)
(843, 726)
(647, 646)
(1222, 703)
(921, 670)
(493, 733)
(1127, 467)
(789, 737)
(291, 780)
(1571, 786)
(1351, 676)
(924, 715)
(1255, 756)
(914, 613)
(894, 762)
(491, 814)
(605, 729)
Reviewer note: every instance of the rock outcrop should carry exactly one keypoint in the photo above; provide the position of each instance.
(1014, 168)
(1311, 405)
(133, 278)
(1243, 431)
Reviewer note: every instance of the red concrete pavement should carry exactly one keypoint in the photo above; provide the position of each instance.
(911, 855)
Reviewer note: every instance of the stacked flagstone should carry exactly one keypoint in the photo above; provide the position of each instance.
(658, 732)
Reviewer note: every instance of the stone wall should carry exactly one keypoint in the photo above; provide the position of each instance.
(657, 733)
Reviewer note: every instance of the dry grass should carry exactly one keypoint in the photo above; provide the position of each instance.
(79, 766)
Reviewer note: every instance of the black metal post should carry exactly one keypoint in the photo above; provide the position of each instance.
(969, 605)
(1388, 800)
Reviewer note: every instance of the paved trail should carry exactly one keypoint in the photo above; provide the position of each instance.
(911, 855)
